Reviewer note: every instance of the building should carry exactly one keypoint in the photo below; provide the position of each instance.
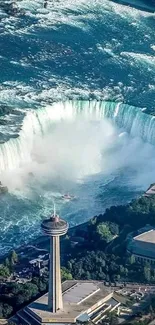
(40, 261)
(150, 191)
(39, 265)
(143, 246)
(73, 301)
(82, 301)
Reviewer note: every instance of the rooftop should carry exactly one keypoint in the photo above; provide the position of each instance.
(148, 237)
(150, 190)
(79, 292)
(54, 225)
(78, 297)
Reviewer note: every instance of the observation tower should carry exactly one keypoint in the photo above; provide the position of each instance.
(54, 227)
(82, 300)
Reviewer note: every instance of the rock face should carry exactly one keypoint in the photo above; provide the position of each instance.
(3, 189)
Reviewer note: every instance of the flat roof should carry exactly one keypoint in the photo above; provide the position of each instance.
(148, 236)
(80, 292)
(78, 297)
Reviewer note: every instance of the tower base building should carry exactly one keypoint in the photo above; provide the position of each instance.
(70, 302)
(82, 301)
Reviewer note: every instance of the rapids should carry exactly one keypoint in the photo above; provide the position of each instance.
(76, 82)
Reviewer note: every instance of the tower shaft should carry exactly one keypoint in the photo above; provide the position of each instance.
(55, 290)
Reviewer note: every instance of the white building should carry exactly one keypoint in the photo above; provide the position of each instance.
(143, 246)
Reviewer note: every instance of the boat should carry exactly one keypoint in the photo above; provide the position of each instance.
(68, 197)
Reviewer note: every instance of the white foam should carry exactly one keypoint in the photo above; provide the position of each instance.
(140, 57)
(60, 11)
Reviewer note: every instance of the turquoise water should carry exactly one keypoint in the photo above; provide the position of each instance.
(91, 50)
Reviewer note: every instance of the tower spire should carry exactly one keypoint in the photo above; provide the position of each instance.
(54, 210)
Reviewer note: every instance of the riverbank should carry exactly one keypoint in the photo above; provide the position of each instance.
(95, 250)
(76, 234)
(40, 245)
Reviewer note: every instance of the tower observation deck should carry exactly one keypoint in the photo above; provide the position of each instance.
(54, 227)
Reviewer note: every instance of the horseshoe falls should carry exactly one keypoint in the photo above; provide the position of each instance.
(131, 119)
(77, 110)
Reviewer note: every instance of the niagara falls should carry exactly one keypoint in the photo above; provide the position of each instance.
(77, 162)
(77, 101)
(93, 149)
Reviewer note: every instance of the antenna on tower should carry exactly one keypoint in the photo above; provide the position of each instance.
(54, 210)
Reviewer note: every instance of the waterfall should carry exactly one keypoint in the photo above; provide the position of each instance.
(39, 122)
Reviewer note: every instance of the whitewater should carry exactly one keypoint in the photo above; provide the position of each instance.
(77, 103)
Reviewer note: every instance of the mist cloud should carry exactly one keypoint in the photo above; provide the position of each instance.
(73, 150)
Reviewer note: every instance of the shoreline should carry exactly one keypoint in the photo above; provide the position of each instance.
(41, 243)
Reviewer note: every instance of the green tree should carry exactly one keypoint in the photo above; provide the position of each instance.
(7, 263)
(147, 273)
(20, 299)
(104, 232)
(36, 280)
(93, 221)
(125, 271)
(121, 269)
(42, 286)
(4, 271)
(132, 259)
(7, 310)
(16, 288)
(27, 295)
(31, 289)
(14, 257)
(88, 276)
(114, 228)
(65, 274)
(117, 277)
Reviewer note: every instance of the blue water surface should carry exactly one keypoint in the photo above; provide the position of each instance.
(84, 49)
